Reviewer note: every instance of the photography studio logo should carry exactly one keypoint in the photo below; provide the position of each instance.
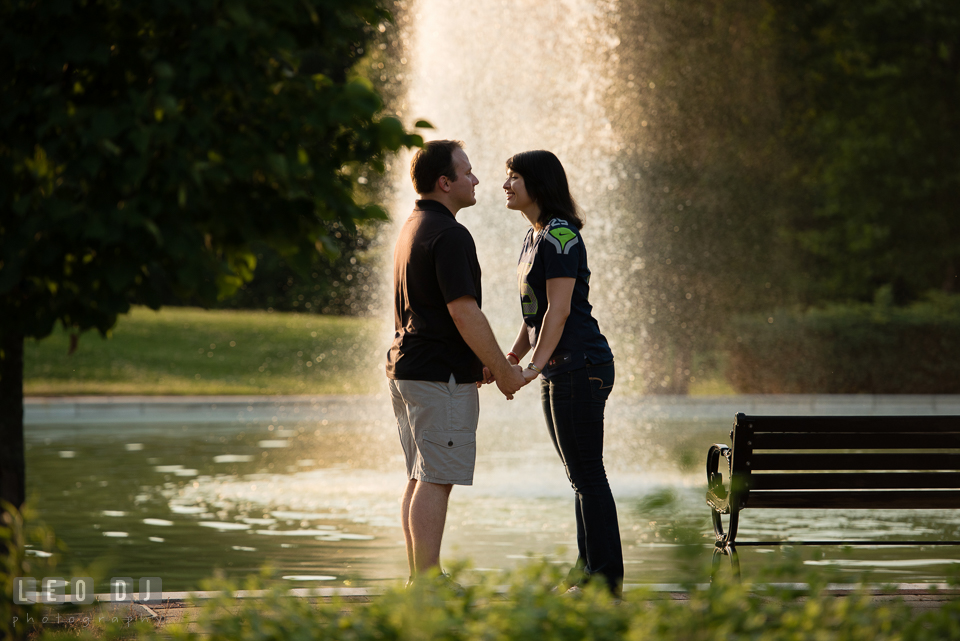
(53, 589)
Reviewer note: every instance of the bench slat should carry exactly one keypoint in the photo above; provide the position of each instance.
(833, 462)
(858, 440)
(906, 461)
(850, 481)
(924, 499)
(851, 423)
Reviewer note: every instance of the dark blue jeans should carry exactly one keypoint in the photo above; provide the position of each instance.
(573, 404)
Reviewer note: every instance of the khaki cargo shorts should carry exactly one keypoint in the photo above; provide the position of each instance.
(438, 429)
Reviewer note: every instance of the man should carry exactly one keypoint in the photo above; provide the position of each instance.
(440, 347)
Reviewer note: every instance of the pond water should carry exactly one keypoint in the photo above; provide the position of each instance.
(311, 486)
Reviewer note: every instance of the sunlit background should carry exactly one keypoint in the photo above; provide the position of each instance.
(708, 246)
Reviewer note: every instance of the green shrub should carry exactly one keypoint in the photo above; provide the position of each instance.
(25, 551)
(526, 609)
(523, 605)
(849, 349)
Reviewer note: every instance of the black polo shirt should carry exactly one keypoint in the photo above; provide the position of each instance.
(434, 263)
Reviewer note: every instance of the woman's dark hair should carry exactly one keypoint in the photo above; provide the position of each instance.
(546, 183)
(431, 161)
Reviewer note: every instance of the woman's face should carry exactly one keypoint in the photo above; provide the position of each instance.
(516, 191)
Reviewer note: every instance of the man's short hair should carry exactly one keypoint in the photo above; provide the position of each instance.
(431, 161)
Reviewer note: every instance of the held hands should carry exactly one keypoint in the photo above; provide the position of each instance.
(516, 377)
(488, 377)
(512, 382)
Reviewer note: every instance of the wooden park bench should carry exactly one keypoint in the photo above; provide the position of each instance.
(838, 462)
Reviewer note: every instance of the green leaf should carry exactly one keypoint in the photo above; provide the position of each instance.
(326, 245)
(164, 70)
(238, 12)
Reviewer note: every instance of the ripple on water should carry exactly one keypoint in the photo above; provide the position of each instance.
(299, 516)
(360, 496)
(233, 458)
(303, 532)
(187, 509)
(223, 525)
(275, 444)
(348, 536)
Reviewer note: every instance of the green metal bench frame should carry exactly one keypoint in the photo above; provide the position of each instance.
(832, 462)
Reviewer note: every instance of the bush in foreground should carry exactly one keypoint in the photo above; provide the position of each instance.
(524, 608)
(521, 605)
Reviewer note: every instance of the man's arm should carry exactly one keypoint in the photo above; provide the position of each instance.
(473, 326)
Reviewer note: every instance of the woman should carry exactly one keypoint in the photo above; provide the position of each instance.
(569, 352)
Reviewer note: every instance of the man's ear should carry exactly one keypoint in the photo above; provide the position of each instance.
(443, 184)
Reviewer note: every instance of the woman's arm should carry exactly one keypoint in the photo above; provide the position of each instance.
(559, 295)
(520, 346)
(475, 330)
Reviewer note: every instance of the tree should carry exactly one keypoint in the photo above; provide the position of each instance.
(871, 92)
(145, 146)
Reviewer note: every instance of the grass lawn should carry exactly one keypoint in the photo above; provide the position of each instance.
(193, 351)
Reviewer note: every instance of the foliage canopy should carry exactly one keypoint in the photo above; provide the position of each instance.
(145, 145)
(871, 95)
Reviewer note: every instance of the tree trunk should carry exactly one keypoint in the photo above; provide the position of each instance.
(12, 462)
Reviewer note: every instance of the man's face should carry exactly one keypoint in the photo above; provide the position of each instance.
(462, 189)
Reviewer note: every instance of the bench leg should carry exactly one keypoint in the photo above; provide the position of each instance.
(726, 549)
(734, 560)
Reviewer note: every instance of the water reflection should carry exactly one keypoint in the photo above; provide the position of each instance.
(196, 497)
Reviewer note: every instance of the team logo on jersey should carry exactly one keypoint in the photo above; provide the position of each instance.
(528, 299)
(562, 238)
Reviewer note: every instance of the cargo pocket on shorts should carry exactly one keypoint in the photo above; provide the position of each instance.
(449, 456)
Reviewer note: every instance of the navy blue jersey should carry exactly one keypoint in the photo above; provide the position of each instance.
(557, 251)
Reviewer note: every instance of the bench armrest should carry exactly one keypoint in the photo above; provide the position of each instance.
(717, 495)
